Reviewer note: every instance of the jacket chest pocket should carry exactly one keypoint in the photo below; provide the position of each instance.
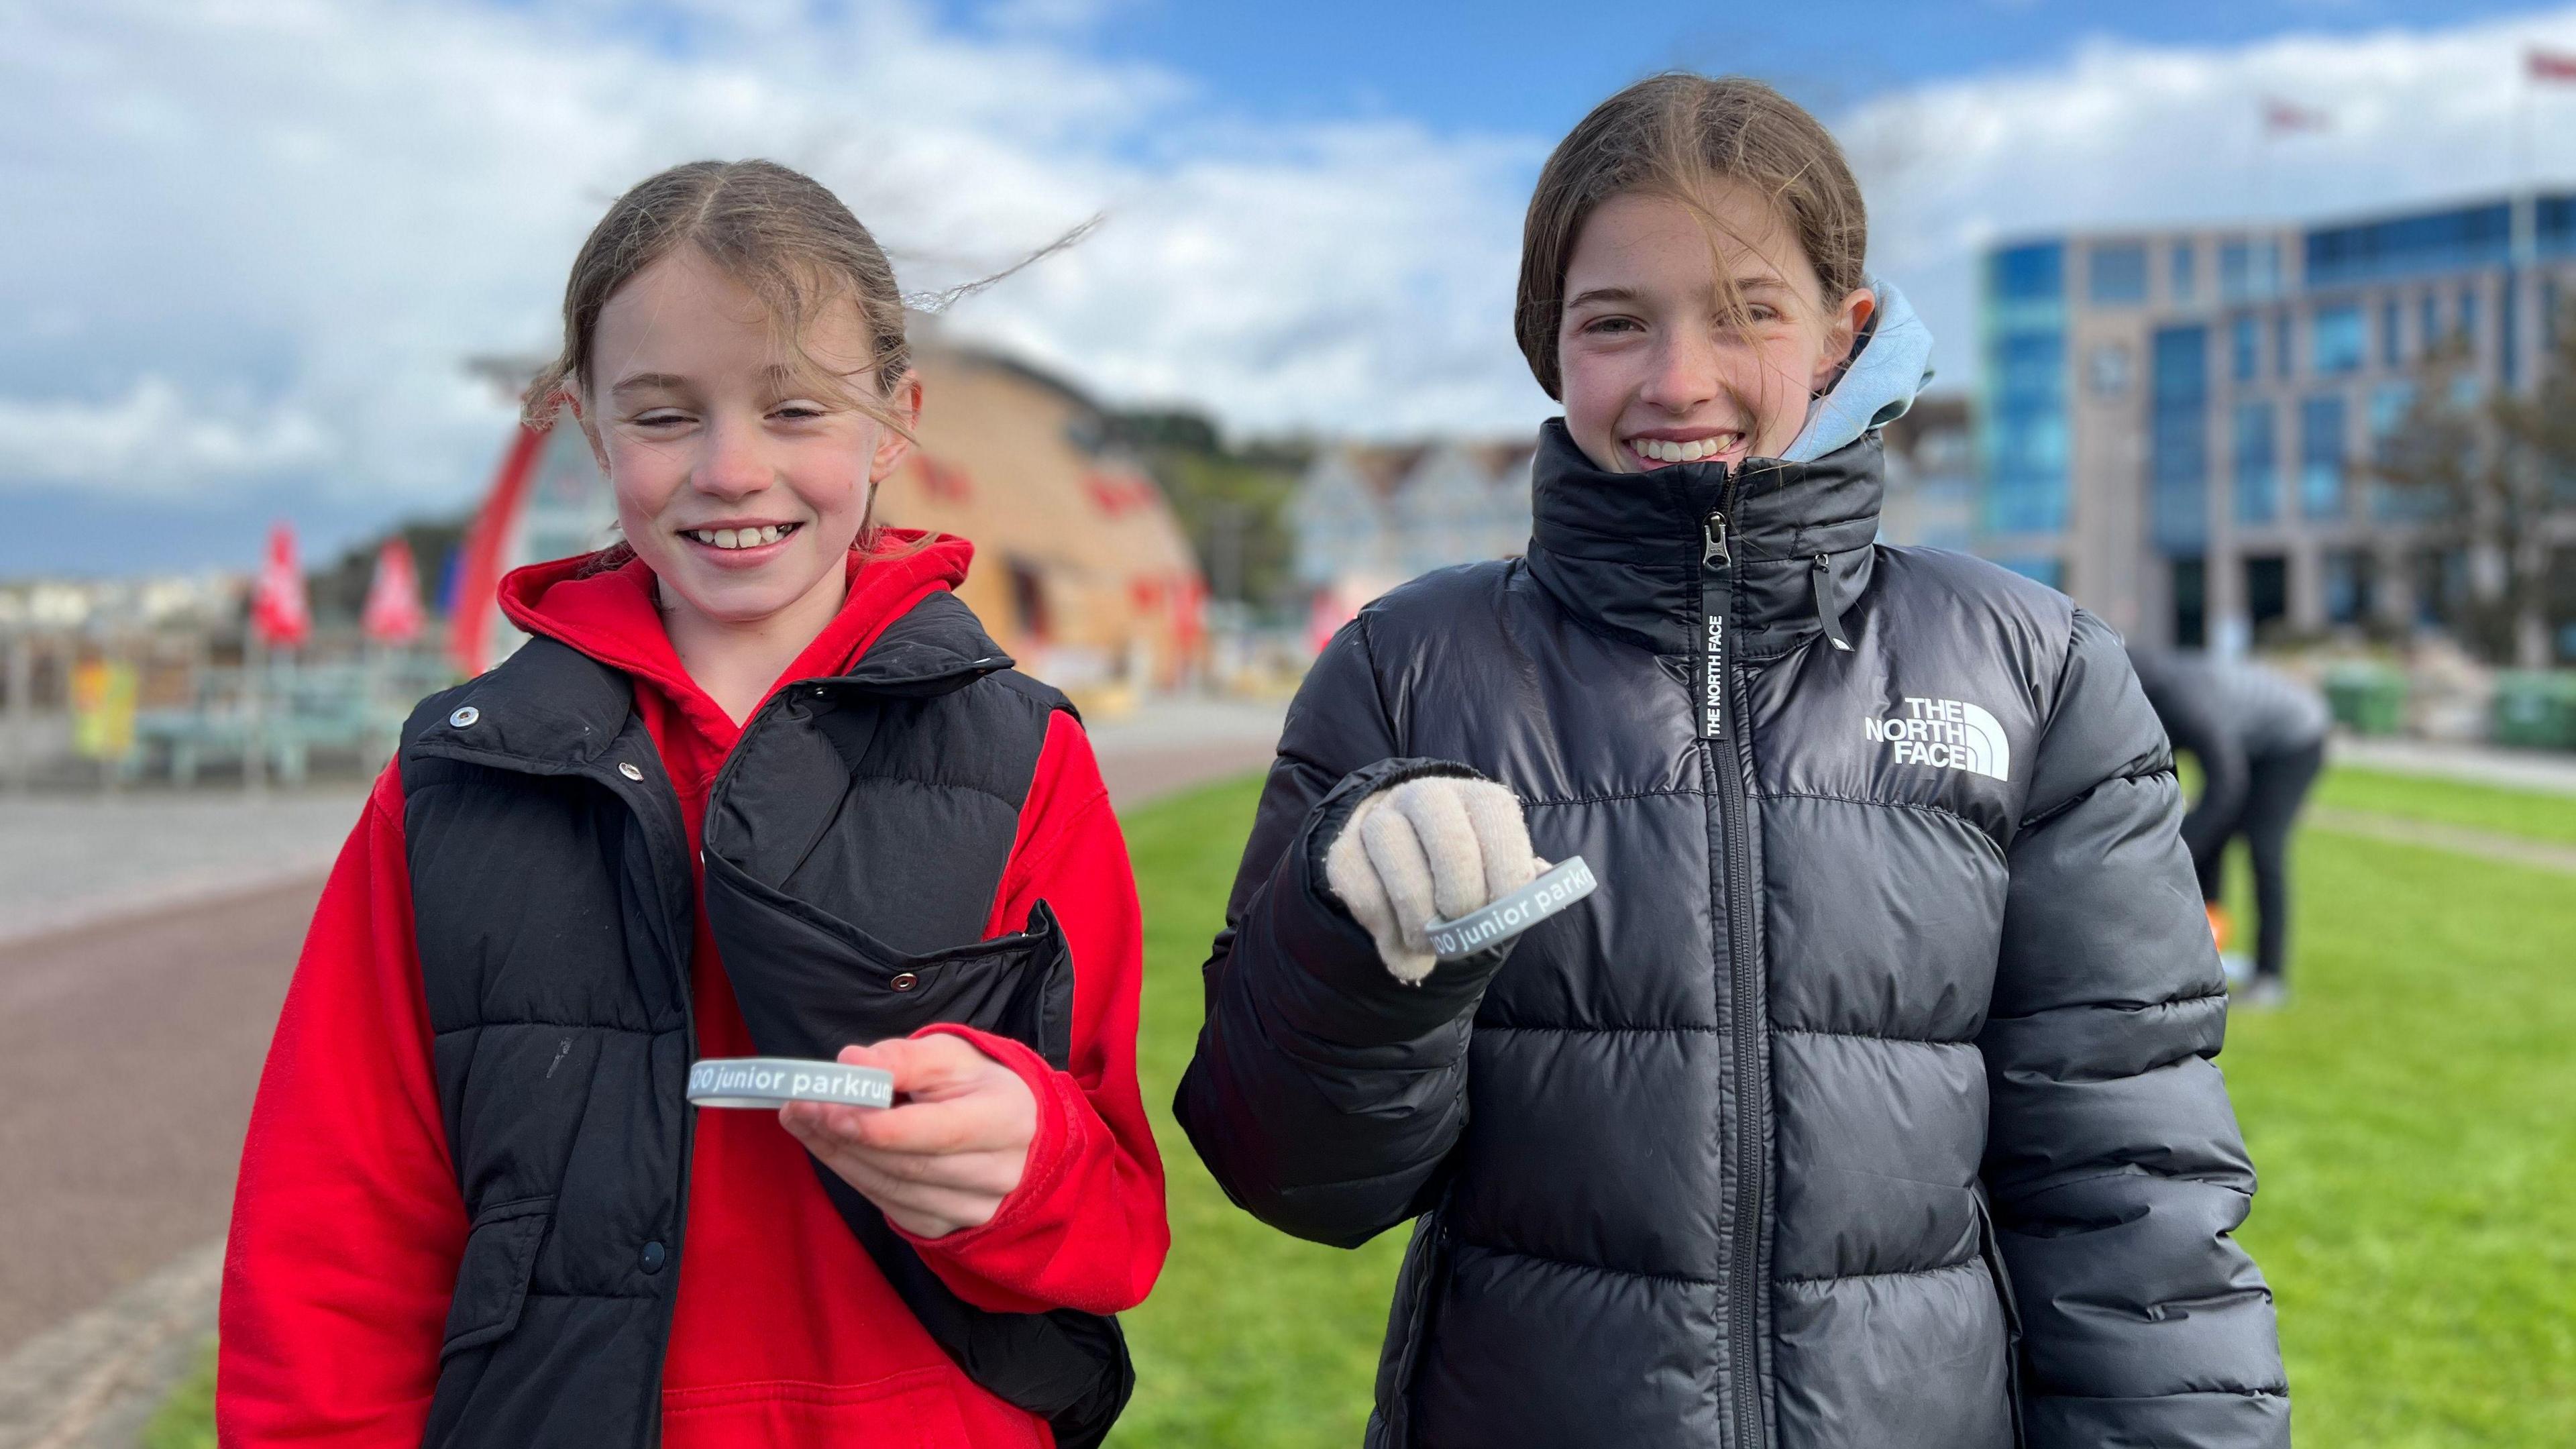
(810, 984)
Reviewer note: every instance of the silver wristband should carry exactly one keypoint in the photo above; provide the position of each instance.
(770, 1082)
(1495, 922)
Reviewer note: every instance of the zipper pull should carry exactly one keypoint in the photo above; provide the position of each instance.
(1821, 574)
(1714, 531)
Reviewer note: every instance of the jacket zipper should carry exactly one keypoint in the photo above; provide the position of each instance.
(1821, 574)
(1721, 724)
(688, 1143)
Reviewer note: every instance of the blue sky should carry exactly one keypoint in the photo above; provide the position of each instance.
(1534, 66)
(251, 246)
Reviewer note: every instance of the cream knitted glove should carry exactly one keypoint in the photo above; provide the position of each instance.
(1429, 849)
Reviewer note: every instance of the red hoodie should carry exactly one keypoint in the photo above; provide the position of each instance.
(348, 1225)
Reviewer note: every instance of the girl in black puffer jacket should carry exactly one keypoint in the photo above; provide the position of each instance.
(1870, 1102)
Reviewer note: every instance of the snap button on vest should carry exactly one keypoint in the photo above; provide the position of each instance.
(465, 717)
(627, 768)
(654, 1256)
(904, 981)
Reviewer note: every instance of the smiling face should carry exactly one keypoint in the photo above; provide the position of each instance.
(739, 484)
(1662, 364)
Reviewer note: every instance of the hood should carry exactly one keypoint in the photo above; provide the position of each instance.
(613, 617)
(1889, 364)
(1622, 550)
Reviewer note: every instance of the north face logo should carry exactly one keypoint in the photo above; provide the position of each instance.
(1951, 734)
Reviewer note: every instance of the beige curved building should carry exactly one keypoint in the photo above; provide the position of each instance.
(1081, 569)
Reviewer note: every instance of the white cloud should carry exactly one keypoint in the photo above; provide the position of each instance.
(153, 440)
(2124, 135)
(252, 241)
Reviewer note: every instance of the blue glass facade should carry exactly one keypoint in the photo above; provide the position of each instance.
(2257, 470)
(2389, 403)
(2321, 455)
(2275, 368)
(2178, 439)
(2244, 347)
(2336, 340)
(2026, 431)
(2440, 241)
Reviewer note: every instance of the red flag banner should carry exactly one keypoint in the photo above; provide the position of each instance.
(2282, 118)
(2549, 65)
(394, 614)
(278, 610)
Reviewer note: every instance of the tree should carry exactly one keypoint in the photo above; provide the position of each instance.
(2489, 474)
(1233, 502)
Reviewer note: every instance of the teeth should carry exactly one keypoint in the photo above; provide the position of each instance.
(1663, 451)
(752, 537)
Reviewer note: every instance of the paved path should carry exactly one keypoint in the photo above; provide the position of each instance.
(115, 1193)
(2554, 771)
(2488, 844)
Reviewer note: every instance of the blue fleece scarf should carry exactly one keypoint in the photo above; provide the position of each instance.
(1888, 367)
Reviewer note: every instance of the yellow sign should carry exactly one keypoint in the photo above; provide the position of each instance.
(103, 710)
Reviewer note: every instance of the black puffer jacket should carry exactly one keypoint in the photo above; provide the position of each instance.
(1895, 1008)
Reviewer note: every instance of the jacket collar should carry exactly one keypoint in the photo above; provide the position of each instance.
(1622, 551)
(553, 708)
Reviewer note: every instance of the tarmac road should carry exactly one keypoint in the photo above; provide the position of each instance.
(130, 1050)
(128, 1055)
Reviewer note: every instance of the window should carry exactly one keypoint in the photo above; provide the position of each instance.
(2267, 589)
(2186, 264)
(2033, 273)
(2031, 362)
(2335, 340)
(2410, 245)
(2428, 325)
(2258, 481)
(2389, 404)
(2249, 269)
(2118, 274)
(2391, 349)
(2044, 568)
(2178, 439)
(2191, 602)
(2350, 576)
(2282, 361)
(2321, 421)
(2245, 346)
(2467, 326)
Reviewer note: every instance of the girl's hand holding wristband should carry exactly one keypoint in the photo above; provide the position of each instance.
(1429, 850)
(953, 1146)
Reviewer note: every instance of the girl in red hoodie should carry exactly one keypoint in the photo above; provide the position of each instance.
(758, 783)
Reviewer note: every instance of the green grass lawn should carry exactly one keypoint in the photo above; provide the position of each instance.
(2480, 807)
(2409, 1113)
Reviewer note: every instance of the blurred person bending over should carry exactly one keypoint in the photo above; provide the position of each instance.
(2260, 738)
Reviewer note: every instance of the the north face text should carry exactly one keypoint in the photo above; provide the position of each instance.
(1949, 734)
(1712, 696)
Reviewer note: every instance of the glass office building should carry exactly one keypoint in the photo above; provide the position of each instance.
(2173, 426)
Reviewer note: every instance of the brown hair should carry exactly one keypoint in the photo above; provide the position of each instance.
(1676, 135)
(779, 233)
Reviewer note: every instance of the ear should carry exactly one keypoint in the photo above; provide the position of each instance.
(1842, 329)
(905, 403)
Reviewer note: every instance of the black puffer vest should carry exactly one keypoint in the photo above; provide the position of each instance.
(554, 897)
(1868, 1103)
